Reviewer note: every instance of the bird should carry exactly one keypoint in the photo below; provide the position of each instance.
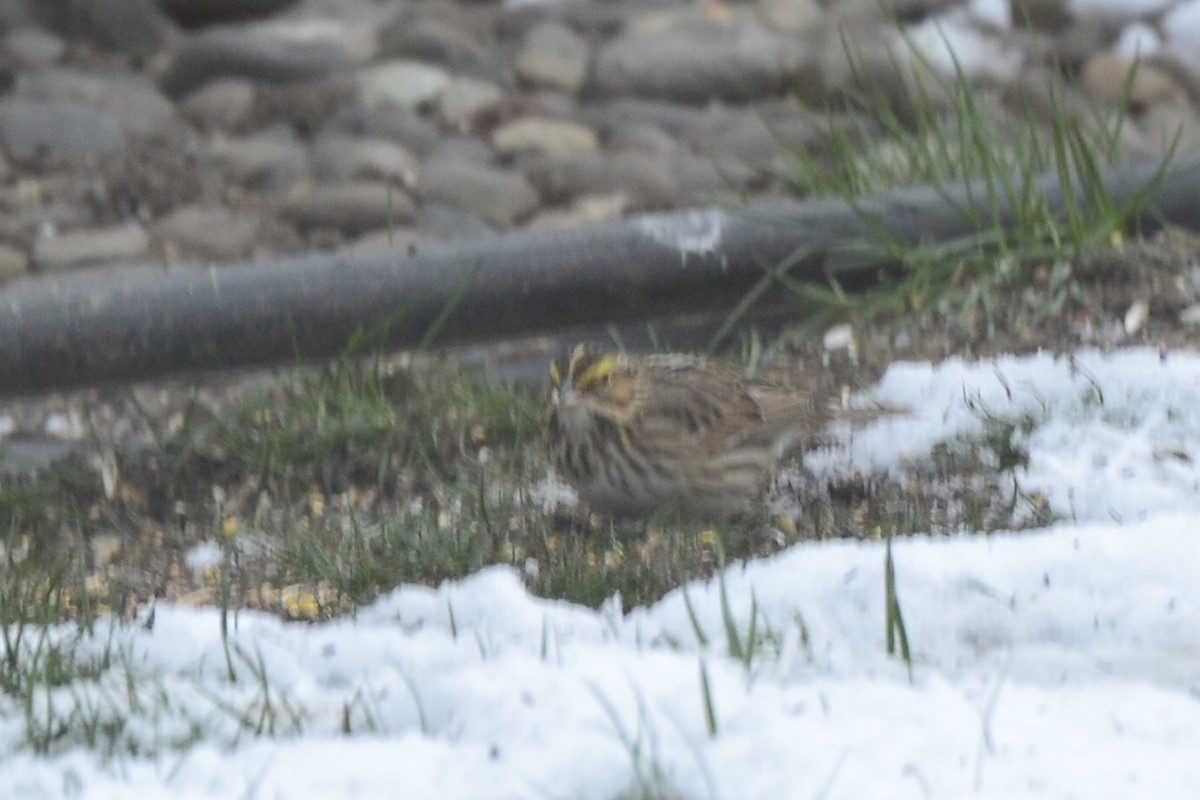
(636, 434)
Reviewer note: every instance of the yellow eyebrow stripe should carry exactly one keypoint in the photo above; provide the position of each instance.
(596, 372)
(555, 377)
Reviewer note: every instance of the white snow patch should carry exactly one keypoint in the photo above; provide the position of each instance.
(1055, 663)
(1181, 30)
(1118, 10)
(953, 43)
(1138, 41)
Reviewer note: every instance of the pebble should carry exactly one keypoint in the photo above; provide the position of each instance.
(1109, 76)
(646, 180)
(267, 161)
(64, 128)
(789, 16)
(345, 158)
(128, 242)
(208, 232)
(1136, 316)
(465, 99)
(1190, 316)
(259, 53)
(726, 133)
(586, 210)
(497, 196)
(33, 49)
(136, 104)
(734, 65)
(442, 42)
(136, 26)
(443, 221)
(13, 264)
(351, 208)
(223, 105)
(202, 13)
(553, 56)
(401, 83)
(411, 131)
(549, 136)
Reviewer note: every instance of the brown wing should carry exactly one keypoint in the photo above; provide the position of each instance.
(789, 415)
(699, 406)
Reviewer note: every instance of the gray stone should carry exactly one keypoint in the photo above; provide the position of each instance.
(754, 139)
(641, 137)
(1109, 77)
(132, 100)
(591, 209)
(128, 25)
(739, 64)
(704, 180)
(413, 132)
(64, 128)
(461, 148)
(201, 13)
(539, 135)
(440, 41)
(13, 264)
(499, 197)
(1169, 127)
(401, 83)
(1053, 16)
(466, 98)
(260, 53)
(670, 117)
(269, 161)
(646, 179)
(209, 232)
(341, 158)
(33, 48)
(447, 222)
(92, 246)
(553, 55)
(351, 208)
(789, 16)
(225, 104)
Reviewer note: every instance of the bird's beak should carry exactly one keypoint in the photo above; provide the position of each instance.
(565, 393)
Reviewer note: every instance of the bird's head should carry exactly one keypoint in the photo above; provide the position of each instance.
(591, 378)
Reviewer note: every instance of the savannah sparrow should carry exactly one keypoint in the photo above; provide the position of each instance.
(634, 434)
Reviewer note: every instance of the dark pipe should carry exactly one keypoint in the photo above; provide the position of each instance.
(64, 331)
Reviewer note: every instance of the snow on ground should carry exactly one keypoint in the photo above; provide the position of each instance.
(1064, 662)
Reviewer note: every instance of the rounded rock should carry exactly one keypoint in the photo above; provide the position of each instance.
(401, 83)
(552, 55)
(64, 128)
(351, 208)
(33, 48)
(202, 13)
(224, 104)
(343, 158)
(260, 53)
(499, 197)
(210, 232)
(265, 161)
(549, 136)
(465, 99)
(741, 64)
(132, 100)
(92, 246)
(647, 180)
